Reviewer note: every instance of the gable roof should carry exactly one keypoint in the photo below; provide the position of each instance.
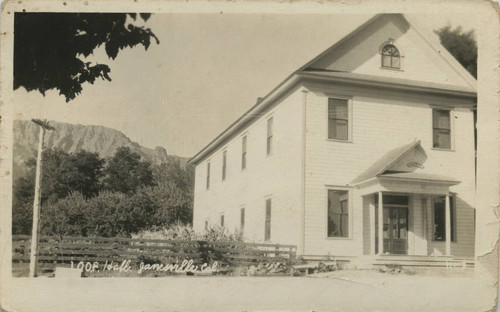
(263, 102)
(429, 37)
(386, 162)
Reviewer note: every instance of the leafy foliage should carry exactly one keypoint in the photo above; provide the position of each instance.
(48, 47)
(185, 232)
(84, 197)
(462, 45)
(174, 191)
(126, 172)
(109, 214)
(62, 174)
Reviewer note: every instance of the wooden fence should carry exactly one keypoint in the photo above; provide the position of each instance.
(54, 251)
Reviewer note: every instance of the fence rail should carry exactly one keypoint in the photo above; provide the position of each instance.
(67, 249)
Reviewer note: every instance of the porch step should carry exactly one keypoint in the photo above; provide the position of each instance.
(423, 261)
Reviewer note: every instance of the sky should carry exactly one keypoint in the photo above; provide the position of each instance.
(206, 72)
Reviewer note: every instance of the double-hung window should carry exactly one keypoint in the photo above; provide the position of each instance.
(441, 129)
(440, 219)
(208, 175)
(338, 213)
(338, 119)
(224, 165)
(244, 152)
(242, 220)
(267, 230)
(269, 136)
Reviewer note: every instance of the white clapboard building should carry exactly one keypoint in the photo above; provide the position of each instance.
(367, 149)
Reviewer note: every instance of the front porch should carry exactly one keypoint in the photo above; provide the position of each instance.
(416, 216)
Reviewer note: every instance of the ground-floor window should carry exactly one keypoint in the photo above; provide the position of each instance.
(222, 220)
(242, 220)
(338, 213)
(267, 230)
(206, 224)
(440, 218)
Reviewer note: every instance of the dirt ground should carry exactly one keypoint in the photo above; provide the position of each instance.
(343, 290)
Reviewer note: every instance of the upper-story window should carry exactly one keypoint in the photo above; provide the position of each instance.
(208, 175)
(338, 119)
(244, 152)
(269, 136)
(441, 129)
(391, 57)
(224, 165)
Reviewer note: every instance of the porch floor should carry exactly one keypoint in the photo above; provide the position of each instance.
(384, 260)
(419, 261)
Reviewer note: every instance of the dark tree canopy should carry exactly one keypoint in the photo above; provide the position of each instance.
(125, 172)
(62, 175)
(462, 45)
(48, 48)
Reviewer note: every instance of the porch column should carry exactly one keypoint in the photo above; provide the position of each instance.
(373, 236)
(427, 212)
(380, 224)
(448, 225)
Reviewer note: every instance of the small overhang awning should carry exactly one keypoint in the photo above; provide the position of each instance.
(399, 171)
(419, 177)
(409, 183)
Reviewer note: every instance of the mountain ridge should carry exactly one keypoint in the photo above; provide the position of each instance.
(72, 138)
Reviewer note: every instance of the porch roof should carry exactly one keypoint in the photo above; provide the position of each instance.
(419, 177)
(409, 183)
(385, 162)
(398, 171)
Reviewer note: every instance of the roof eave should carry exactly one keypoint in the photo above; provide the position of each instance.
(248, 116)
(389, 85)
(419, 180)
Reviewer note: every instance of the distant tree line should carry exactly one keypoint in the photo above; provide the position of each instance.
(462, 45)
(86, 195)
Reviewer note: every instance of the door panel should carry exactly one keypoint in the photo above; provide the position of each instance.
(395, 230)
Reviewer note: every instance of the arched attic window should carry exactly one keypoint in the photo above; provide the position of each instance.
(391, 58)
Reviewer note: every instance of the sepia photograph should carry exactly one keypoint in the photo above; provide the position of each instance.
(249, 156)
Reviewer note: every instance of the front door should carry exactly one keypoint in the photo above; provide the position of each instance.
(395, 230)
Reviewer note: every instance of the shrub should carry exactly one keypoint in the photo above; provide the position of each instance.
(185, 232)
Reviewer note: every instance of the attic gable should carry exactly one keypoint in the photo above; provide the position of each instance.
(421, 58)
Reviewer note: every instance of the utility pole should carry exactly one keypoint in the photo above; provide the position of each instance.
(44, 125)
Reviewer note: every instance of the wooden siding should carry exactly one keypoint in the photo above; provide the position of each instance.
(275, 176)
(360, 54)
(382, 122)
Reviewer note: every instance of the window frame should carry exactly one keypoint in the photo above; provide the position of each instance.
(453, 215)
(224, 165)
(452, 127)
(270, 136)
(207, 185)
(391, 56)
(349, 116)
(392, 42)
(244, 151)
(349, 212)
(268, 221)
(242, 220)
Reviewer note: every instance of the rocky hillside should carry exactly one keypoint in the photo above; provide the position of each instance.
(73, 138)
